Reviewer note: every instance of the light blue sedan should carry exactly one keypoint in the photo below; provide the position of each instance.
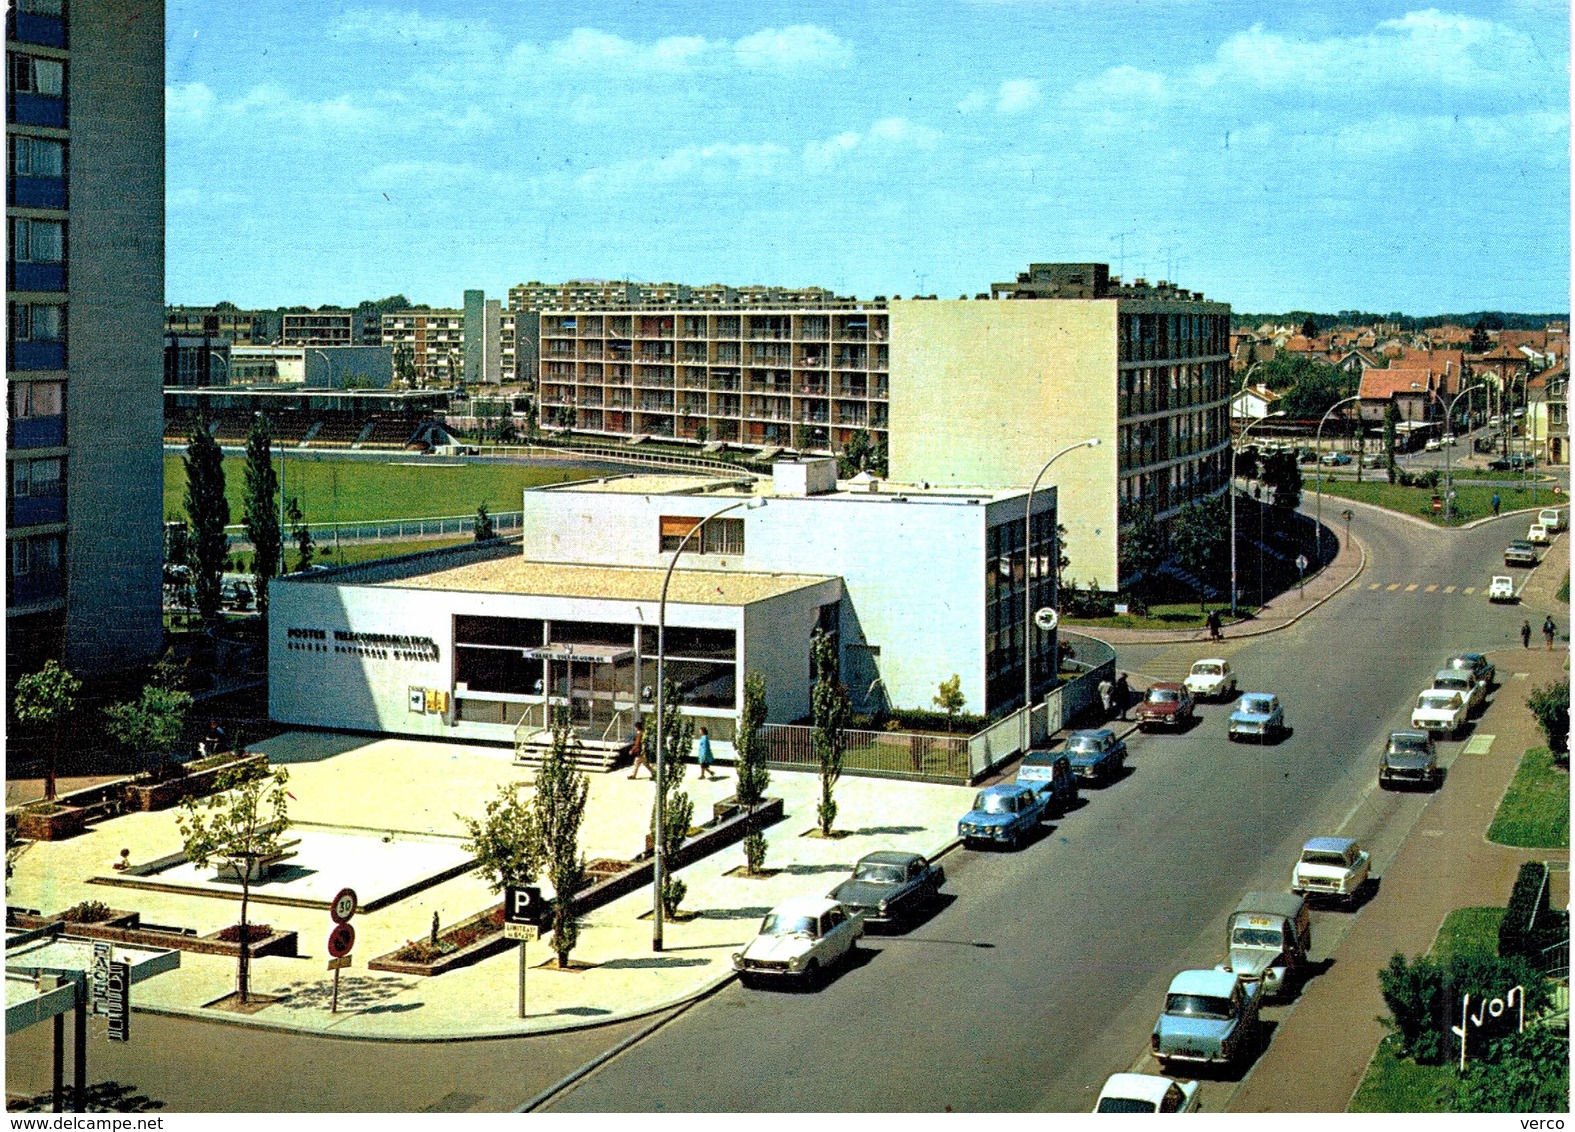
(1258, 715)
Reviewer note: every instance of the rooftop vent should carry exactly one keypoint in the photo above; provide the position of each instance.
(806, 476)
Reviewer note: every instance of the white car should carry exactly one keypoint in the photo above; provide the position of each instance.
(799, 939)
(1440, 711)
(1433, 444)
(1501, 588)
(1331, 866)
(1552, 518)
(1538, 535)
(1463, 681)
(1211, 678)
(1147, 1092)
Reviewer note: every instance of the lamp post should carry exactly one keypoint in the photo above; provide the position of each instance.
(1318, 474)
(1234, 445)
(659, 863)
(1028, 585)
(1449, 462)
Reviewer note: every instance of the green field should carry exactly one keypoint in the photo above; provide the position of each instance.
(404, 487)
(1471, 500)
(1535, 811)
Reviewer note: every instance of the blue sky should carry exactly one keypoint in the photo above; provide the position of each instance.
(1313, 155)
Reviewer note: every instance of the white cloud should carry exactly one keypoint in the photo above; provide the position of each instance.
(188, 102)
(888, 135)
(588, 47)
(717, 161)
(411, 28)
(792, 48)
(1017, 95)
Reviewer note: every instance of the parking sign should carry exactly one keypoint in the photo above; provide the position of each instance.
(522, 904)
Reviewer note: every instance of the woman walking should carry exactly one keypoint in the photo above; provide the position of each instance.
(703, 754)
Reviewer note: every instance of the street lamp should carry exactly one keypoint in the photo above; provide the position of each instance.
(1449, 463)
(1234, 445)
(1318, 474)
(1028, 585)
(659, 866)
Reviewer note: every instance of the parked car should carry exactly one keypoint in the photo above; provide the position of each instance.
(1258, 715)
(1538, 535)
(1096, 754)
(1373, 460)
(1515, 463)
(1501, 588)
(798, 940)
(1433, 444)
(1267, 940)
(1449, 440)
(1554, 518)
(1209, 1016)
(889, 886)
(1437, 712)
(1166, 705)
(1306, 456)
(1408, 759)
(1520, 553)
(1051, 773)
(1212, 678)
(1478, 665)
(1332, 866)
(1466, 683)
(1146, 1092)
(1334, 459)
(1004, 814)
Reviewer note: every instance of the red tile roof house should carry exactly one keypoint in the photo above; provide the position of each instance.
(1412, 390)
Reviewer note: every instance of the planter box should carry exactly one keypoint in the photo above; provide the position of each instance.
(125, 928)
(483, 948)
(66, 821)
(163, 795)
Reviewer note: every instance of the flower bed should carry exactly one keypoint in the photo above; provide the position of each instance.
(201, 778)
(473, 938)
(44, 821)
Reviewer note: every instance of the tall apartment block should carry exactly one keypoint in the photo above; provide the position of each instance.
(444, 347)
(84, 358)
(237, 327)
(330, 327)
(806, 379)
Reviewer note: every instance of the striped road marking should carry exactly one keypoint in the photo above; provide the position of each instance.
(1479, 745)
(1449, 589)
(1391, 587)
(1518, 675)
(1376, 586)
(1469, 590)
(1411, 588)
(1431, 589)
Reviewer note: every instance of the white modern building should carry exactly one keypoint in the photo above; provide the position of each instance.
(917, 584)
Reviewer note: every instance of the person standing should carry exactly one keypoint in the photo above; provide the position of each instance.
(1123, 694)
(638, 746)
(1549, 631)
(703, 754)
(1495, 503)
(1525, 634)
(1214, 624)
(1107, 697)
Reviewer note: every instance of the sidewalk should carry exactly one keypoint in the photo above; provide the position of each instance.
(1320, 1053)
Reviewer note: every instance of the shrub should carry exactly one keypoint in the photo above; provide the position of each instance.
(254, 933)
(1423, 997)
(1526, 1072)
(1529, 924)
(1551, 705)
(87, 912)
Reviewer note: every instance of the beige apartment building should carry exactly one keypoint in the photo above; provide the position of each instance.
(429, 345)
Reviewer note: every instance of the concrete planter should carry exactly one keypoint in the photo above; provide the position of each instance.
(125, 927)
(488, 945)
(64, 822)
(163, 795)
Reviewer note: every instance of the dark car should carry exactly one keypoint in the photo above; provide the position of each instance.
(1166, 705)
(1050, 773)
(1408, 760)
(1478, 665)
(888, 886)
(1096, 755)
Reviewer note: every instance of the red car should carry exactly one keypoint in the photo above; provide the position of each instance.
(1166, 705)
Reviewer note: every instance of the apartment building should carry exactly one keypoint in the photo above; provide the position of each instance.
(330, 327)
(785, 378)
(429, 345)
(238, 327)
(84, 357)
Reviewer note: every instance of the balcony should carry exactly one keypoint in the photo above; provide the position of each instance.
(37, 432)
(37, 192)
(37, 355)
(36, 510)
(36, 588)
(37, 110)
(813, 388)
(31, 27)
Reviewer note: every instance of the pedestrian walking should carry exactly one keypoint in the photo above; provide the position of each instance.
(1525, 634)
(1549, 631)
(1107, 697)
(638, 746)
(1214, 624)
(703, 754)
(1123, 694)
(1495, 503)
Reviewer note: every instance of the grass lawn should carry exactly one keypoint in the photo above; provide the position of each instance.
(366, 551)
(1535, 812)
(403, 487)
(1564, 590)
(1398, 1084)
(1179, 615)
(1471, 501)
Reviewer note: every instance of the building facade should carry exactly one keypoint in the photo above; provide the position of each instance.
(428, 345)
(330, 327)
(84, 365)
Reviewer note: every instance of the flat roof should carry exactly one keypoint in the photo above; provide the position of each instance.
(743, 487)
(614, 583)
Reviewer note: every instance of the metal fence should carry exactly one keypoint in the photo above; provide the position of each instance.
(897, 754)
(388, 530)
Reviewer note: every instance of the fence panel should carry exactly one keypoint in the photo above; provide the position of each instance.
(905, 753)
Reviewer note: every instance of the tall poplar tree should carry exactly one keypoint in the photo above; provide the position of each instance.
(261, 503)
(208, 513)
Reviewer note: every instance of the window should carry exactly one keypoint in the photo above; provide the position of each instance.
(30, 75)
(37, 241)
(37, 399)
(37, 157)
(36, 478)
(38, 322)
(35, 556)
(719, 536)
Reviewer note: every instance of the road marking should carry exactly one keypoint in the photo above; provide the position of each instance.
(1411, 588)
(1469, 590)
(1479, 745)
(1519, 675)
(1431, 589)
(1449, 589)
(1376, 586)
(1391, 587)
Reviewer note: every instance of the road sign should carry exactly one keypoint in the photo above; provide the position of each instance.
(339, 962)
(522, 904)
(527, 933)
(1046, 618)
(343, 906)
(341, 940)
(119, 1007)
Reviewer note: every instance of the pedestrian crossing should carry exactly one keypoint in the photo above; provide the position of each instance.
(1437, 588)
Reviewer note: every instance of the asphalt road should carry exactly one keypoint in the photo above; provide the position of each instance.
(1045, 972)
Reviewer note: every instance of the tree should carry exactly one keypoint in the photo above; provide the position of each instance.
(485, 528)
(208, 511)
(1142, 545)
(504, 840)
(44, 699)
(262, 508)
(753, 778)
(678, 810)
(1391, 419)
(404, 365)
(1309, 328)
(1551, 705)
(1284, 478)
(1480, 343)
(559, 806)
(1200, 539)
(1062, 562)
(856, 455)
(831, 709)
(949, 698)
(154, 722)
(300, 533)
(240, 826)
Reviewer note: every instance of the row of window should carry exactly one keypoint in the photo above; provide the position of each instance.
(1147, 337)
(36, 157)
(719, 536)
(37, 241)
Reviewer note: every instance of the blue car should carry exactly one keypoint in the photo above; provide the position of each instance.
(1050, 773)
(1259, 716)
(1003, 815)
(1096, 755)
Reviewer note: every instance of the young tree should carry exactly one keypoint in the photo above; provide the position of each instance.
(153, 722)
(44, 699)
(208, 511)
(559, 806)
(1200, 539)
(485, 528)
(261, 505)
(750, 748)
(1284, 478)
(949, 698)
(831, 708)
(856, 454)
(240, 826)
(300, 534)
(1143, 546)
(678, 809)
(504, 840)
(1062, 562)
(1391, 419)
(1309, 328)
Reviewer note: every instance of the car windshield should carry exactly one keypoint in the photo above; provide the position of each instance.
(788, 925)
(877, 873)
(1206, 670)
(1321, 857)
(1198, 1005)
(1454, 683)
(1465, 663)
(1255, 937)
(993, 803)
(1443, 701)
(1125, 1104)
(1520, 544)
(1083, 743)
(1257, 705)
(1407, 745)
(1163, 696)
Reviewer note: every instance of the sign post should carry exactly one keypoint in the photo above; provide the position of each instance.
(522, 910)
(119, 1005)
(100, 979)
(341, 940)
(1301, 573)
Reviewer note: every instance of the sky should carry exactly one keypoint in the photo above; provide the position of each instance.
(1315, 155)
